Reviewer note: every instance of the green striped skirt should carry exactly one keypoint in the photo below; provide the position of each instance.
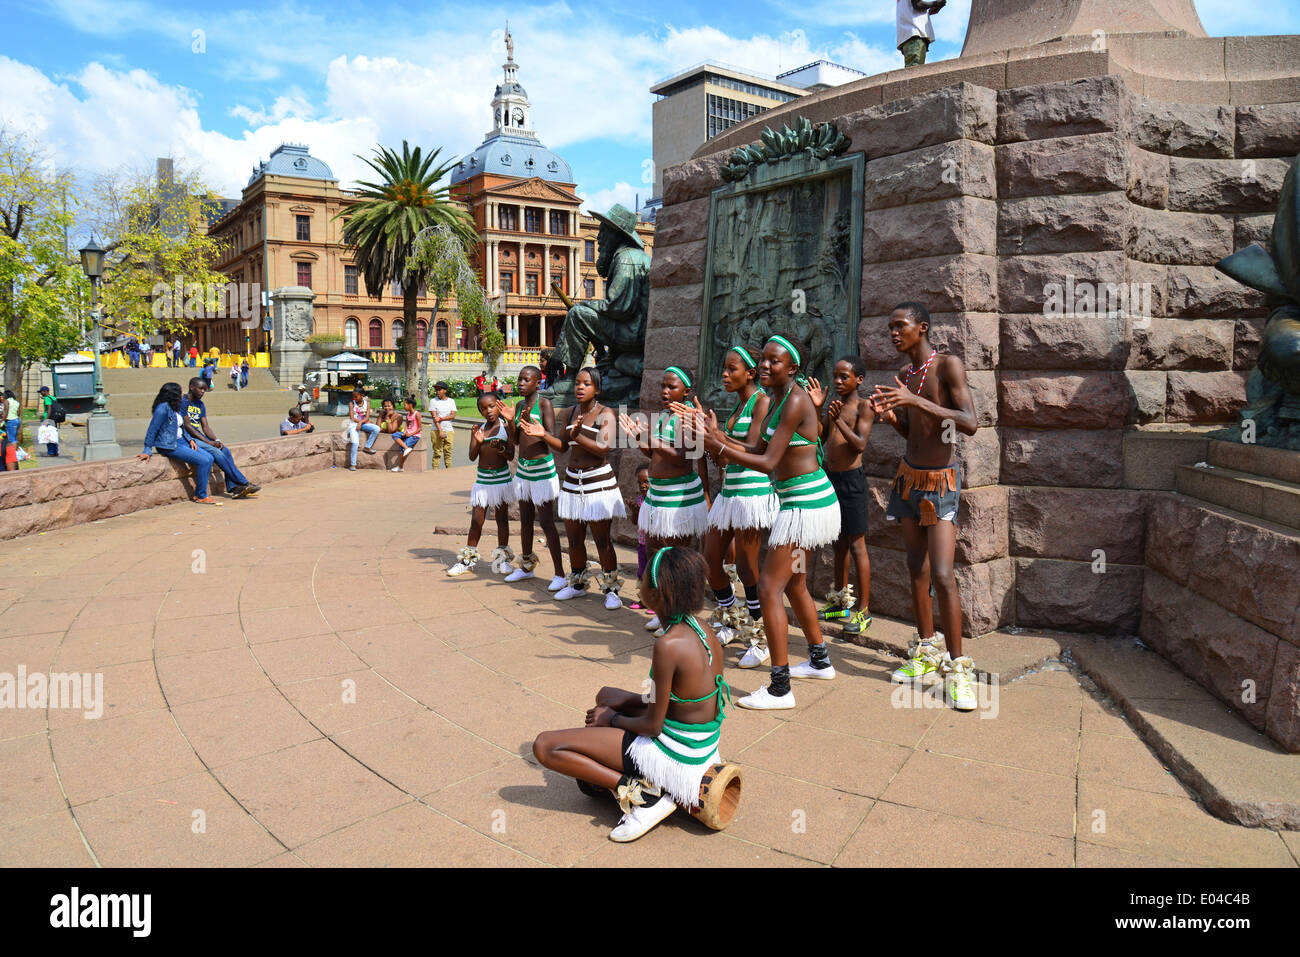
(810, 512)
(537, 481)
(678, 757)
(492, 487)
(746, 500)
(674, 508)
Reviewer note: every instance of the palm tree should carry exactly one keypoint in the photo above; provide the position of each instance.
(383, 227)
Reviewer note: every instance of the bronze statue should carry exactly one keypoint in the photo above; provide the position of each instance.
(1272, 413)
(614, 326)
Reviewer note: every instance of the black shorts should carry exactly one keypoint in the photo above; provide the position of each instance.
(851, 489)
(629, 766)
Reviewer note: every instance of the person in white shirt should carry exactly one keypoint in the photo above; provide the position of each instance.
(915, 31)
(358, 422)
(443, 410)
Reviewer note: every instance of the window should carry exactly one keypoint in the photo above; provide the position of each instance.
(530, 284)
(508, 217)
(376, 333)
(350, 284)
(304, 228)
(532, 220)
(589, 250)
(304, 274)
(589, 288)
(421, 333)
(724, 112)
(507, 282)
(440, 334)
(399, 330)
(559, 222)
(351, 332)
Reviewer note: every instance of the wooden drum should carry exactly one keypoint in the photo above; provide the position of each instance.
(719, 796)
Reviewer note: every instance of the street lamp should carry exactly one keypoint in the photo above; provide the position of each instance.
(101, 430)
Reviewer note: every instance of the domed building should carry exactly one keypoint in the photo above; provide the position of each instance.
(522, 198)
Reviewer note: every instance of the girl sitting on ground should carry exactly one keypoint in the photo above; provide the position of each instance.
(661, 744)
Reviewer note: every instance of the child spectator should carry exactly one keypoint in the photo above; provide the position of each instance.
(243, 373)
(390, 420)
(234, 376)
(410, 435)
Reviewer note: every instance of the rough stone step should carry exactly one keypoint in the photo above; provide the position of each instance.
(1272, 499)
(1281, 464)
(1238, 772)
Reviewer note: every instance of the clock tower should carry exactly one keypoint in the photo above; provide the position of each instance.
(510, 106)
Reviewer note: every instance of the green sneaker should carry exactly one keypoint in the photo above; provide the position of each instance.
(831, 611)
(858, 622)
(957, 684)
(923, 658)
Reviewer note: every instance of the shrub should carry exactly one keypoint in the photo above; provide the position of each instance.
(383, 387)
(325, 337)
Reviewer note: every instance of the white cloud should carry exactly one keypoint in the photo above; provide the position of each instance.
(602, 199)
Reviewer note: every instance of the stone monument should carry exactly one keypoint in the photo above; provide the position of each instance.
(614, 326)
(291, 324)
(1059, 197)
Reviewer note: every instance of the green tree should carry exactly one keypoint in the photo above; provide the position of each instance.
(155, 233)
(383, 228)
(441, 256)
(42, 289)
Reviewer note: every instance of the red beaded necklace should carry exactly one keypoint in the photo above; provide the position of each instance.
(924, 370)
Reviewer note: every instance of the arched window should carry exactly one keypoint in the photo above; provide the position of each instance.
(441, 335)
(399, 330)
(421, 333)
(351, 333)
(376, 333)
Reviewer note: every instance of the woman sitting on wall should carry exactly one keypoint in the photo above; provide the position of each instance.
(164, 437)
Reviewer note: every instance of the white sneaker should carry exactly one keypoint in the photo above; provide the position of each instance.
(567, 592)
(754, 656)
(805, 669)
(395, 468)
(640, 820)
(558, 582)
(459, 568)
(763, 700)
(660, 632)
(612, 600)
(652, 624)
(519, 575)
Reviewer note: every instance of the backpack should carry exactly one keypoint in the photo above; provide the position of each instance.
(57, 413)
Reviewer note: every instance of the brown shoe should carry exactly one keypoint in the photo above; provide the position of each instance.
(206, 501)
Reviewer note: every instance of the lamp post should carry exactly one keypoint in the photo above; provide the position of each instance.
(101, 430)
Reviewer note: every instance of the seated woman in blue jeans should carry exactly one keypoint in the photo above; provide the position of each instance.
(164, 437)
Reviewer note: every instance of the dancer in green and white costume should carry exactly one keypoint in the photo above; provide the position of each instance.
(653, 750)
(675, 509)
(537, 484)
(744, 509)
(493, 490)
(808, 515)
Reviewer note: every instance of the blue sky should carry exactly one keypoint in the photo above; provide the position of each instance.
(112, 83)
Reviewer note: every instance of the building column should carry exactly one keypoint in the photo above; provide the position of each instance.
(492, 276)
(541, 331)
(546, 269)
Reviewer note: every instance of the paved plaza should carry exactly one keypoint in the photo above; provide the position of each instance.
(293, 680)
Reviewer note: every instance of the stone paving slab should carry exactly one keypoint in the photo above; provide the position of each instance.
(321, 694)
